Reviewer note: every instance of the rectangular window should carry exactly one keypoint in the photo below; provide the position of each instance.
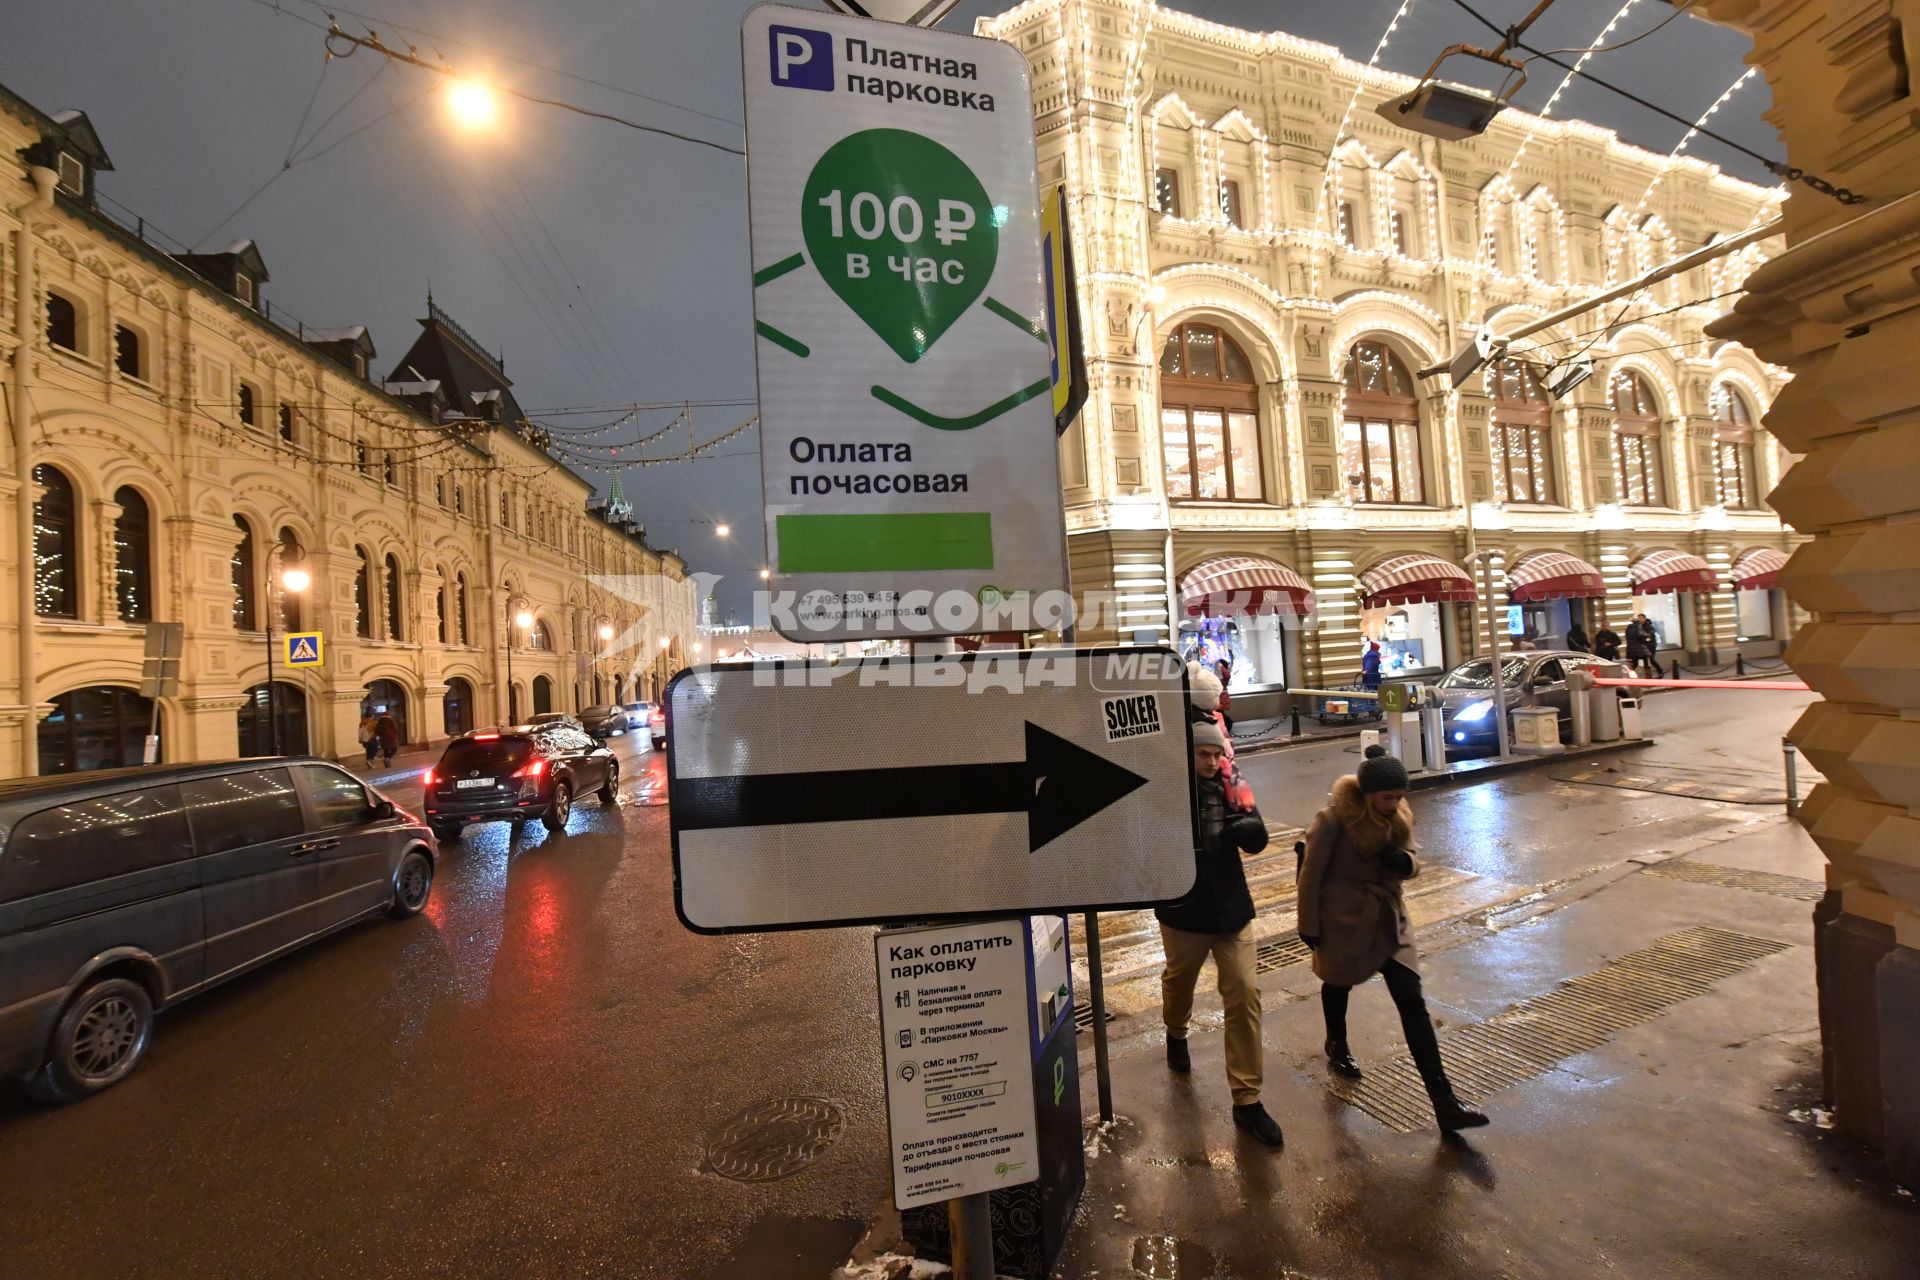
(1230, 204)
(286, 423)
(1521, 453)
(1381, 460)
(362, 460)
(1349, 225)
(126, 351)
(1398, 222)
(1733, 466)
(1173, 427)
(1635, 469)
(243, 287)
(1166, 192)
(1755, 614)
(1209, 455)
(94, 840)
(236, 810)
(1243, 438)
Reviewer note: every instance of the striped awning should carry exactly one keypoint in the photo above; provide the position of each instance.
(1659, 572)
(1415, 579)
(1227, 586)
(1758, 570)
(1554, 575)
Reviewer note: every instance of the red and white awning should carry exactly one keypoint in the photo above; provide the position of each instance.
(1554, 575)
(1659, 572)
(1227, 586)
(1758, 570)
(1415, 579)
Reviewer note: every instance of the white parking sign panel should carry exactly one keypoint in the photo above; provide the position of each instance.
(906, 431)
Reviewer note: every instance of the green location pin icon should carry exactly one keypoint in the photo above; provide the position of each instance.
(902, 231)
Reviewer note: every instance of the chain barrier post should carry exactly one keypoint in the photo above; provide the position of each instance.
(1793, 777)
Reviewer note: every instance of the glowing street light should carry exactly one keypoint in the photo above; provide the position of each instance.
(665, 643)
(765, 574)
(523, 620)
(295, 578)
(606, 631)
(473, 104)
(697, 646)
(722, 529)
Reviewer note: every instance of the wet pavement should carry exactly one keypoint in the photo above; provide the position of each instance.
(546, 1075)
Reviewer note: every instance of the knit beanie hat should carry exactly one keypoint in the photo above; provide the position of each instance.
(1382, 773)
(1203, 687)
(1374, 752)
(1207, 734)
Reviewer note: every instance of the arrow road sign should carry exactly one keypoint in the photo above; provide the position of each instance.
(1058, 786)
(809, 794)
(914, 13)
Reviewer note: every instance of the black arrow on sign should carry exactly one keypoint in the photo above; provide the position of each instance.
(1058, 786)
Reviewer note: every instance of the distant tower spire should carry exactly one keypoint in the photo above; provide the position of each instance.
(618, 508)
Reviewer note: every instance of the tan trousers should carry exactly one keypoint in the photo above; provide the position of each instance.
(1233, 957)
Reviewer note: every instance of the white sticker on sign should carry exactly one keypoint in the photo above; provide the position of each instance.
(1134, 716)
(953, 1010)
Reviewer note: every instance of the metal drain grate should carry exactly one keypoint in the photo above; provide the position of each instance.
(1279, 953)
(774, 1139)
(1578, 1016)
(1739, 878)
(1083, 1016)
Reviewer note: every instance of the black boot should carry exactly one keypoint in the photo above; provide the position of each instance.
(1340, 1060)
(1455, 1115)
(1253, 1118)
(1177, 1056)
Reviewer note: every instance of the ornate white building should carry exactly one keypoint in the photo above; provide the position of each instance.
(173, 451)
(1265, 264)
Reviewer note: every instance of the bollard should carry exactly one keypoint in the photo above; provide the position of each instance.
(1293, 709)
(1793, 777)
(1739, 664)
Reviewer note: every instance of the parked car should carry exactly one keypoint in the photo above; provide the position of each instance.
(510, 775)
(638, 714)
(1537, 679)
(604, 722)
(125, 891)
(552, 717)
(657, 728)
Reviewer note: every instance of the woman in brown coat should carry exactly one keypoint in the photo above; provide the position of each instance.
(1359, 853)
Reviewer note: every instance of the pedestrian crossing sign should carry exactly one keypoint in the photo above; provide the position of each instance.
(306, 649)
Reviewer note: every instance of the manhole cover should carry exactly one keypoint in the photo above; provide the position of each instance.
(774, 1139)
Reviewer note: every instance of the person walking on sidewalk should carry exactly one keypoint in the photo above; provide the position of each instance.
(1354, 918)
(1216, 919)
(369, 739)
(1642, 641)
(1606, 643)
(386, 732)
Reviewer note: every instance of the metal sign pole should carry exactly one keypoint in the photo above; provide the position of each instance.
(1097, 1000)
(970, 1225)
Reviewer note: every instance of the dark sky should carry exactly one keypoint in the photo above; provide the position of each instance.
(611, 265)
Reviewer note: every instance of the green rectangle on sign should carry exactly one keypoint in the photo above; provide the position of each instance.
(885, 542)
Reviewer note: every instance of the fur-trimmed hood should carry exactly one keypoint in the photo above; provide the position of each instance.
(1368, 830)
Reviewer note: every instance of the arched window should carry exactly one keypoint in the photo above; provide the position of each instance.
(460, 607)
(440, 610)
(1636, 440)
(1209, 418)
(245, 615)
(542, 695)
(126, 351)
(1522, 433)
(104, 727)
(132, 556)
(387, 698)
(56, 592)
(63, 322)
(245, 398)
(290, 611)
(538, 637)
(396, 603)
(363, 595)
(1380, 437)
(458, 707)
(258, 736)
(1733, 465)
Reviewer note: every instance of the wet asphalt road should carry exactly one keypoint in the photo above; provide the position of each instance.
(516, 1083)
(521, 1082)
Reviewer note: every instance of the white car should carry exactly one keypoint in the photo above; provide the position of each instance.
(637, 713)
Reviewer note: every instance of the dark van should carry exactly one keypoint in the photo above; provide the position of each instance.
(124, 891)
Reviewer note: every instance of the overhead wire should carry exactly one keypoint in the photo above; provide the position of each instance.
(1678, 9)
(1792, 173)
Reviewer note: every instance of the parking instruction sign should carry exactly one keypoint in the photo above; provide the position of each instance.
(906, 430)
(953, 1009)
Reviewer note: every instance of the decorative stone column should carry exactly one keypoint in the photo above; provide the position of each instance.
(1841, 309)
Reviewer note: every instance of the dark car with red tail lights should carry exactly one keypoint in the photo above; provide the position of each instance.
(513, 774)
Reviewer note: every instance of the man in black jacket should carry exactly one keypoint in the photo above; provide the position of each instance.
(1216, 919)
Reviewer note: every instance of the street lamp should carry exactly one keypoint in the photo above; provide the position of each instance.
(294, 578)
(473, 104)
(722, 529)
(606, 637)
(524, 621)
